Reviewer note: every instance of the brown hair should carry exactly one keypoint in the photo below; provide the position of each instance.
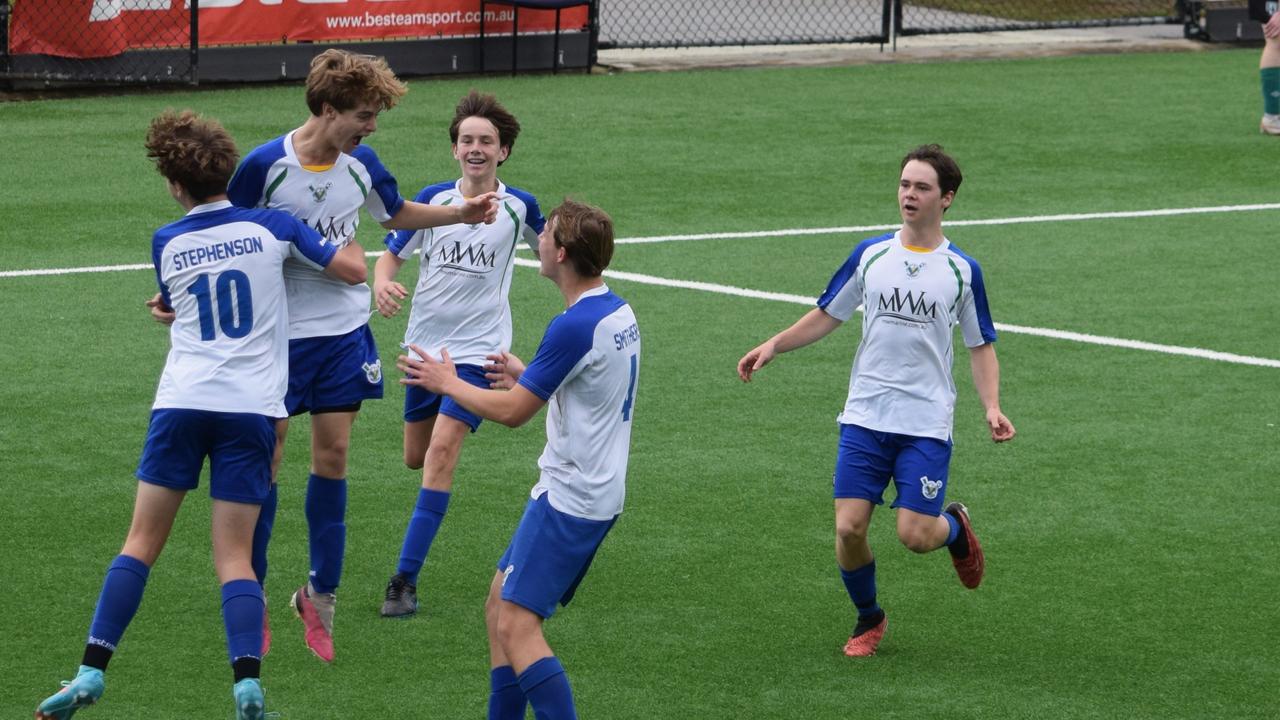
(586, 234)
(486, 106)
(193, 151)
(345, 79)
(949, 177)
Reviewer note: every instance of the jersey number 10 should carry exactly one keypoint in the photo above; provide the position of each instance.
(234, 303)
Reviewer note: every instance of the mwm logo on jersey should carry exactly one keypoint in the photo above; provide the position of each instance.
(472, 258)
(335, 233)
(909, 306)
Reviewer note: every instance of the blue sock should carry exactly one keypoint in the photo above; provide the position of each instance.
(953, 528)
(861, 584)
(262, 535)
(547, 688)
(242, 608)
(428, 513)
(326, 515)
(119, 600)
(506, 699)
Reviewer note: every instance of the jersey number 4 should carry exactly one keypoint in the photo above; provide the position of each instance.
(234, 302)
(631, 390)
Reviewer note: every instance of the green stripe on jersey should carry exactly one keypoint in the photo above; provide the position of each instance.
(364, 192)
(867, 267)
(959, 281)
(266, 198)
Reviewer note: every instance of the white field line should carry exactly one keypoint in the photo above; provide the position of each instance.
(1166, 212)
(1015, 329)
(800, 300)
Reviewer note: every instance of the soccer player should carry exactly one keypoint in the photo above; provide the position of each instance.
(460, 302)
(220, 270)
(585, 370)
(322, 173)
(1267, 12)
(914, 287)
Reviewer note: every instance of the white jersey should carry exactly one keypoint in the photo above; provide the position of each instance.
(464, 276)
(219, 268)
(586, 368)
(329, 201)
(901, 379)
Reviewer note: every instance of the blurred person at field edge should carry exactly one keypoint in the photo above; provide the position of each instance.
(1267, 12)
(914, 287)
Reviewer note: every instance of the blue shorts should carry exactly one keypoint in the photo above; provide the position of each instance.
(420, 403)
(548, 556)
(333, 373)
(239, 447)
(868, 459)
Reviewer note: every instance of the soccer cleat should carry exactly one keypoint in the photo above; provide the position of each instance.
(266, 630)
(971, 565)
(866, 636)
(249, 700)
(1270, 125)
(315, 609)
(81, 692)
(402, 598)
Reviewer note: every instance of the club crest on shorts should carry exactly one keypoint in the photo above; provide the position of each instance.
(506, 574)
(913, 269)
(373, 371)
(929, 488)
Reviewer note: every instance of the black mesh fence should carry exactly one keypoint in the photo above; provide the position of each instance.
(107, 41)
(947, 16)
(154, 41)
(676, 23)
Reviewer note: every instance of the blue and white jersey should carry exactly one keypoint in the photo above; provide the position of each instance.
(586, 368)
(328, 200)
(219, 268)
(464, 276)
(901, 379)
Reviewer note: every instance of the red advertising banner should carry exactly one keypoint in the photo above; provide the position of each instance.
(101, 28)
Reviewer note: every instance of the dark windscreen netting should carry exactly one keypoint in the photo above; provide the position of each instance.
(117, 41)
(674, 23)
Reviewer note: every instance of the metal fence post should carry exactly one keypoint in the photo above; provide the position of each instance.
(195, 42)
(4, 39)
(593, 30)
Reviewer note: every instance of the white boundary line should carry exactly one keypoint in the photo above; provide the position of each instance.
(1166, 212)
(800, 300)
(1015, 329)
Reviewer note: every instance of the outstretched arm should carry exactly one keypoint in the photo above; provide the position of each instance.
(815, 325)
(416, 215)
(986, 378)
(512, 408)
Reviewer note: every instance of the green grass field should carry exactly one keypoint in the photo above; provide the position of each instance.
(1129, 530)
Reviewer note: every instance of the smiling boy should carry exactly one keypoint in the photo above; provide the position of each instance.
(460, 302)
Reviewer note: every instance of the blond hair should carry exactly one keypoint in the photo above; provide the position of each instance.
(344, 80)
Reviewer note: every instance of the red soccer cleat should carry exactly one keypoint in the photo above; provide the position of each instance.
(316, 612)
(971, 566)
(864, 641)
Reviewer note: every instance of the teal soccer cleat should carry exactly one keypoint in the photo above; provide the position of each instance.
(81, 692)
(249, 700)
